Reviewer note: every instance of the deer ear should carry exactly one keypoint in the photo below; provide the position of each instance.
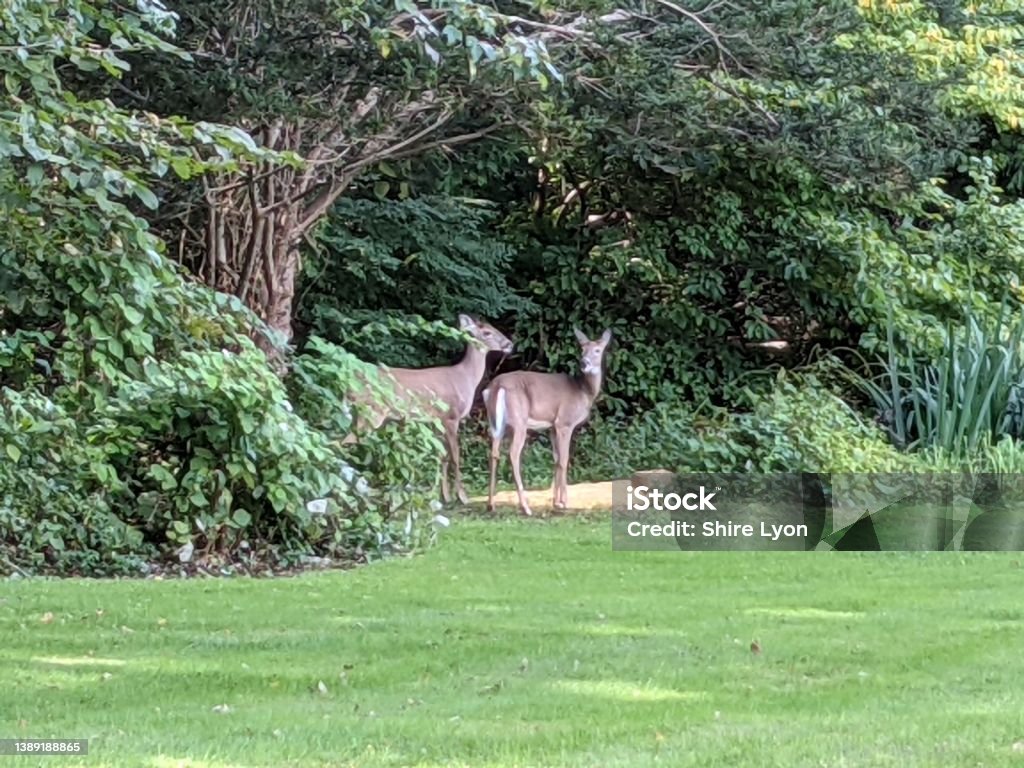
(466, 322)
(606, 336)
(580, 336)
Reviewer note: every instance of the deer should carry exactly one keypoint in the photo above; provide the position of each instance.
(442, 392)
(528, 401)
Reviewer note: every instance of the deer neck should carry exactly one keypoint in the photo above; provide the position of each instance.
(472, 365)
(590, 384)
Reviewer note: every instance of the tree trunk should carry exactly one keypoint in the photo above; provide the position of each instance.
(255, 220)
(252, 231)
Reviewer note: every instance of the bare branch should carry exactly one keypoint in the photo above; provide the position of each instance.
(333, 189)
(255, 249)
(451, 141)
(723, 52)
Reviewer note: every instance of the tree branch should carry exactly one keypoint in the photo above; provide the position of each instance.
(333, 189)
(716, 39)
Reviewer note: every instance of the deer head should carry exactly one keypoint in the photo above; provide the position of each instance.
(485, 334)
(592, 352)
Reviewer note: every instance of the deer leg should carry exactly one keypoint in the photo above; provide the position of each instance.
(460, 489)
(451, 434)
(554, 471)
(446, 495)
(562, 439)
(495, 458)
(514, 454)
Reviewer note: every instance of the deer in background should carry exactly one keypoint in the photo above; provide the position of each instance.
(443, 392)
(524, 401)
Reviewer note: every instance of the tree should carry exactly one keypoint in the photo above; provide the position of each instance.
(342, 85)
(732, 205)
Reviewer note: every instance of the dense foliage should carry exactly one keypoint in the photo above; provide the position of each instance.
(381, 261)
(139, 419)
(734, 190)
(730, 209)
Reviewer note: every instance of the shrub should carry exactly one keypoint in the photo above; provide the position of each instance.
(968, 398)
(805, 427)
(386, 263)
(398, 461)
(225, 456)
(206, 455)
(800, 426)
(59, 493)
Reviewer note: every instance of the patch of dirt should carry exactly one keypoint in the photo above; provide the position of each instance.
(583, 497)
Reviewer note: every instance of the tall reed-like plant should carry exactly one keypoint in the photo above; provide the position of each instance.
(968, 398)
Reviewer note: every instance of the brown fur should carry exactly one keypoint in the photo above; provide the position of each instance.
(525, 401)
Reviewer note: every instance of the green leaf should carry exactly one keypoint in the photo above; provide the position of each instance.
(13, 451)
(147, 197)
(116, 348)
(183, 167)
(241, 518)
(132, 315)
(35, 174)
(167, 480)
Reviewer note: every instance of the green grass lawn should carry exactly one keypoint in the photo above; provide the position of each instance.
(531, 643)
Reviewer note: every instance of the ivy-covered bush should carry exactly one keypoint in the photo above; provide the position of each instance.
(138, 420)
(398, 463)
(59, 493)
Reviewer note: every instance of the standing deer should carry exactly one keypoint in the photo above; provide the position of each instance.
(443, 392)
(525, 401)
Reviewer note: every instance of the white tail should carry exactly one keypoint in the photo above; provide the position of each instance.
(498, 424)
(444, 392)
(525, 401)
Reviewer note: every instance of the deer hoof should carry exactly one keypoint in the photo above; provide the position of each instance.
(527, 511)
(463, 496)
